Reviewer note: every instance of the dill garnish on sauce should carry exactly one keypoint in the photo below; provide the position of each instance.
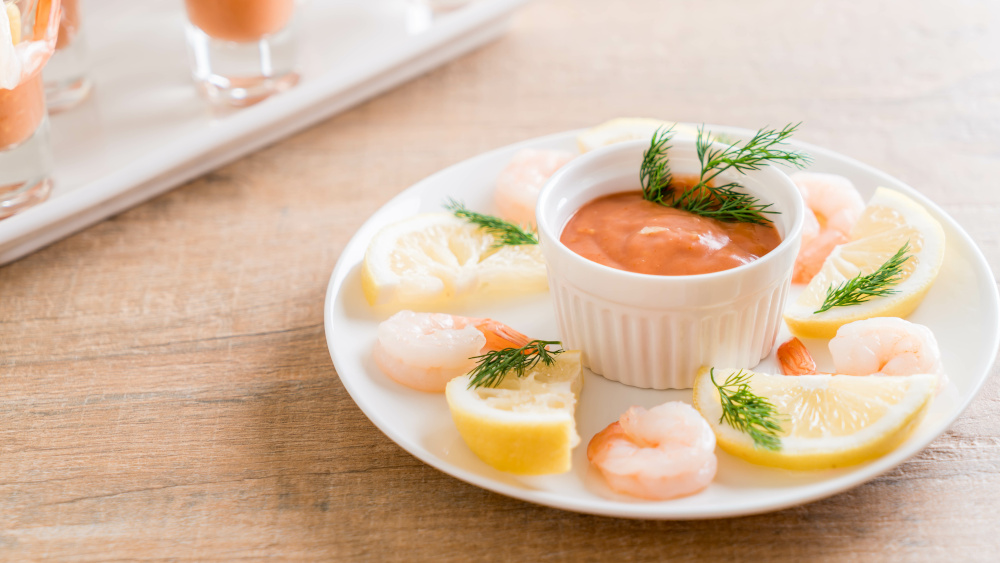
(724, 202)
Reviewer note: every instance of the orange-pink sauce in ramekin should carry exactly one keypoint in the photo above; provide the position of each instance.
(627, 232)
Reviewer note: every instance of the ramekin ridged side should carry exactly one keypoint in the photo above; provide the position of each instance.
(655, 331)
(647, 348)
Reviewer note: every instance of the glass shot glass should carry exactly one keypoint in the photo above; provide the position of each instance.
(28, 31)
(241, 51)
(66, 80)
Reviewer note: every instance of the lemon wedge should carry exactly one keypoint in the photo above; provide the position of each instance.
(827, 420)
(890, 220)
(433, 257)
(14, 15)
(627, 129)
(526, 425)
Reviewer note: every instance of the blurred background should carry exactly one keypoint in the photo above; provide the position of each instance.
(167, 383)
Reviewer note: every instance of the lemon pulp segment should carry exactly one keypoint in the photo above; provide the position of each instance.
(890, 220)
(827, 420)
(525, 425)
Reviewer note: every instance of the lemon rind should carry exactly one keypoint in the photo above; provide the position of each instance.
(490, 275)
(909, 293)
(627, 129)
(519, 442)
(874, 441)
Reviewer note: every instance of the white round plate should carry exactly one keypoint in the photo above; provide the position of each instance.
(961, 309)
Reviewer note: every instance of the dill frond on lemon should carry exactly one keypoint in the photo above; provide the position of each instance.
(890, 221)
(433, 257)
(524, 425)
(826, 421)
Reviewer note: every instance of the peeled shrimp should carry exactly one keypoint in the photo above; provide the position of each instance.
(880, 345)
(833, 205)
(885, 345)
(665, 452)
(520, 182)
(425, 351)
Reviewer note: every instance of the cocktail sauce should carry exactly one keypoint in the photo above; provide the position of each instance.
(627, 232)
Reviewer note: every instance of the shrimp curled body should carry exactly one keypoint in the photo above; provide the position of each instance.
(657, 454)
(876, 346)
(519, 184)
(425, 351)
(885, 345)
(833, 205)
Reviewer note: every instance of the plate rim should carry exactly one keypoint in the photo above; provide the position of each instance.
(648, 510)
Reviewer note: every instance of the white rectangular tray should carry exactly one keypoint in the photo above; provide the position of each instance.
(145, 130)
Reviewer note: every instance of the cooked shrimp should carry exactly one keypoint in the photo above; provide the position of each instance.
(795, 358)
(520, 182)
(427, 350)
(885, 345)
(665, 452)
(876, 346)
(833, 205)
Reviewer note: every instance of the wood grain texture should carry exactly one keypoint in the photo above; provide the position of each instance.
(165, 387)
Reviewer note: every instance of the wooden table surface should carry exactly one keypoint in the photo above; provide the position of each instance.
(166, 387)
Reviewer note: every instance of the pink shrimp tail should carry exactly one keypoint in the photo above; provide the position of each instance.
(795, 359)
(500, 336)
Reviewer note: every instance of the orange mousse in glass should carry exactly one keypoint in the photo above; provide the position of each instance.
(242, 51)
(25, 154)
(21, 111)
(66, 80)
(69, 25)
(240, 20)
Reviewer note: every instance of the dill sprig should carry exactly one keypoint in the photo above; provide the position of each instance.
(747, 412)
(726, 202)
(758, 151)
(494, 365)
(654, 173)
(504, 233)
(723, 203)
(861, 288)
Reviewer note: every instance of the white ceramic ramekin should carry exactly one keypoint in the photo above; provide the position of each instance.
(656, 331)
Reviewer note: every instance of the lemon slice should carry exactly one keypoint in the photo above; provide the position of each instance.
(627, 129)
(890, 220)
(526, 424)
(14, 15)
(434, 257)
(827, 420)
